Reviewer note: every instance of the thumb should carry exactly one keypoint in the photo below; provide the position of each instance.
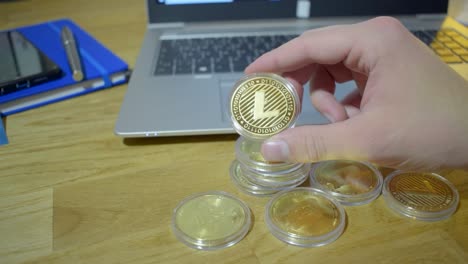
(341, 140)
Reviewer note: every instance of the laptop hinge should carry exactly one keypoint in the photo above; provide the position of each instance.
(167, 25)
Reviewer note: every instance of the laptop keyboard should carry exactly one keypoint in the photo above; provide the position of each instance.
(214, 55)
(233, 54)
(449, 44)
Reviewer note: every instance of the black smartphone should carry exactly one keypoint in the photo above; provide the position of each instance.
(22, 65)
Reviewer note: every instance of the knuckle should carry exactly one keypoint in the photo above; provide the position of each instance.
(388, 22)
(394, 30)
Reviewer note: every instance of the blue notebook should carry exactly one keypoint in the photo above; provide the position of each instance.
(3, 136)
(102, 68)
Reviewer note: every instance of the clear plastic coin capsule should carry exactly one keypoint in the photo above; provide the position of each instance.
(245, 185)
(262, 105)
(291, 177)
(305, 217)
(350, 182)
(211, 220)
(420, 196)
(248, 152)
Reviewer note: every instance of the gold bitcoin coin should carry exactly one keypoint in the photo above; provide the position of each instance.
(263, 105)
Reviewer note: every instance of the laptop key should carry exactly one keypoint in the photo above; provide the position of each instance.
(444, 39)
(222, 65)
(443, 52)
(425, 38)
(239, 64)
(450, 32)
(460, 51)
(436, 45)
(452, 45)
(162, 70)
(432, 33)
(183, 66)
(203, 66)
(164, 67)
(462, 41)
(451, 59)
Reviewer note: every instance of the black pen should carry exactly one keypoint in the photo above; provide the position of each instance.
(73, 56)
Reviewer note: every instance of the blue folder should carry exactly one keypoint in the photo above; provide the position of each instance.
(101, 67)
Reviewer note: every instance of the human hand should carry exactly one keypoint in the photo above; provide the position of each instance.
(408, 110)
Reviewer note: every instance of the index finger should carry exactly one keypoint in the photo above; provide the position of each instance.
(329, 45)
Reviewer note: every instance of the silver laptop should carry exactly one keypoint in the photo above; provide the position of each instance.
(195, 50)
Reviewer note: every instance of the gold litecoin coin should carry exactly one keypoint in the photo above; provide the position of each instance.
(422, 196)
(421, 191)
(263, 105)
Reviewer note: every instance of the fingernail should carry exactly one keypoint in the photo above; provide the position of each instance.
(329, 117)
(275, 150)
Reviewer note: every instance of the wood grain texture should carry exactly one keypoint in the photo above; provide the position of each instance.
(73, 192)
(25, 226)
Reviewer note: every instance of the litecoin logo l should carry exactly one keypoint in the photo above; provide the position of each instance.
(259, 107)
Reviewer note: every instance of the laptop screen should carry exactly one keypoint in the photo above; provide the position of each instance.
(161, 11)
(188, 2)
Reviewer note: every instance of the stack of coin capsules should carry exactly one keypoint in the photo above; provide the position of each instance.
(253, 175)
(263, 105)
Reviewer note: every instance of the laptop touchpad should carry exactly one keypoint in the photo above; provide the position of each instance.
(226, 88)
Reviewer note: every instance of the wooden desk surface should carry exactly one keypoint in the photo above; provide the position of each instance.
(72, 192)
